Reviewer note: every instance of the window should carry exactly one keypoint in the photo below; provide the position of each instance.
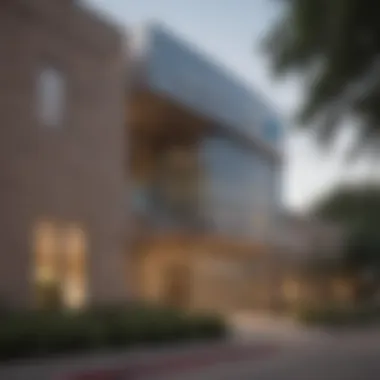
(74, 282)
(46, 277)
(51, 96)
(60, 265)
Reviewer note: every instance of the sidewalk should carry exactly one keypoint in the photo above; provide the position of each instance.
(256, 326)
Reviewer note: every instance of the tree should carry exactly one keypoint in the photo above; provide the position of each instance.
(362, 249)
(335, 45)
(351, 205)
(357, 210)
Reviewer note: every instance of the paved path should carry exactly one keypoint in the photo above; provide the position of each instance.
(250, 327)
(350, 356)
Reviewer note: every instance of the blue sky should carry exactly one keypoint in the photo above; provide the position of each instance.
(230, 31)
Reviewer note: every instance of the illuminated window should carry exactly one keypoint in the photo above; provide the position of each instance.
(60, 265)
(51, 90)
(74, 278)
(46, 267)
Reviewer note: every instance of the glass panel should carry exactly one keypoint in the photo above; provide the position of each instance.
(60, 265)
(51, 96)
(74, 279)
(46, 266)
(180, 72)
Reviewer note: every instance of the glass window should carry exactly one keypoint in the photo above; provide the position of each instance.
(59, 265)
(74, 281)
(51, 92)
(46, 279)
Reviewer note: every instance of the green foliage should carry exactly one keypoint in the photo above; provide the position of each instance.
(45, 333)
(351, 205)
(357, 211)
(363, 248)
(337, 315)
(335, 45)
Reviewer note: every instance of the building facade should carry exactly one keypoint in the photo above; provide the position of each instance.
(237, 140)
(156, 176)
(62, 166)
(206, 165)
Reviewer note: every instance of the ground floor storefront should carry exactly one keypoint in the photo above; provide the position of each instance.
(208, 273)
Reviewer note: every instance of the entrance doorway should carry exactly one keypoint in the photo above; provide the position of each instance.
(177, 282)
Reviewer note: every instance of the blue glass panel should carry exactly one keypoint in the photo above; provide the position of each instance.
(272, 130)
(189, 78)
(240, 187)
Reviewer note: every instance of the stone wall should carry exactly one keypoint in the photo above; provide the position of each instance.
(70, 173)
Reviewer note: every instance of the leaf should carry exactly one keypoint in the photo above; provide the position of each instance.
(335, 46)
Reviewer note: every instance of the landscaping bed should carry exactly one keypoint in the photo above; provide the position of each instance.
(340, 316)
(39, 334)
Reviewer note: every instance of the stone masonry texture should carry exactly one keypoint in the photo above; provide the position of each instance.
(73, 173)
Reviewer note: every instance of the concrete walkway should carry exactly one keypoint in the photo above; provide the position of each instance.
(353, 356)
(256, 326)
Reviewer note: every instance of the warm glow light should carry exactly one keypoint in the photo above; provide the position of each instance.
(291, 289)
(60, 260)
(74, 282)
(45, 252)
(74, 294)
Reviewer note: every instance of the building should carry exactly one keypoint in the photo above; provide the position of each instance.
(206, 161)
(156, 177)
(62, 146)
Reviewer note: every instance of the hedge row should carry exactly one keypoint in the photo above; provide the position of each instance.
(42, 334)
(340, 316)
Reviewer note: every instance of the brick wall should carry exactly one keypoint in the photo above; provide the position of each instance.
(72, 173)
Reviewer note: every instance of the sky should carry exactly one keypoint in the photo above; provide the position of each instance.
(231, 31)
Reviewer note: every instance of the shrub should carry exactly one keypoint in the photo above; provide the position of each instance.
(44, 333)
(207, 326)
(336, 315)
